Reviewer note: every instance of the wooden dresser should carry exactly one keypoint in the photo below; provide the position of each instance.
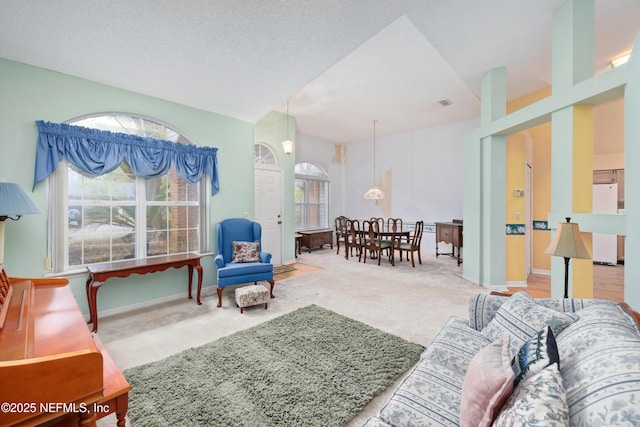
(451, 233)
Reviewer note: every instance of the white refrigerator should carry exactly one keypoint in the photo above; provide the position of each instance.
(605, 246)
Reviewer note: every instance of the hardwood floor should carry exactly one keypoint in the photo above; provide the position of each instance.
(300, 269)
(608, 283)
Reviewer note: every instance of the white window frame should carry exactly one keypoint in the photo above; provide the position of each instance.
(57, 261)
(325, 179)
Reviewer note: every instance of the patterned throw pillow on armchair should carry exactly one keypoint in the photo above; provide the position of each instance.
(245, 252)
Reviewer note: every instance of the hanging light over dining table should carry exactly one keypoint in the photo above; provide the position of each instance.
(374, 193)
(287, 144)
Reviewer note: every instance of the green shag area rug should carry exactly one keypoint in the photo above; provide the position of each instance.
(311, 367)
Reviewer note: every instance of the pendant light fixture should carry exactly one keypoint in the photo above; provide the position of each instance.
(374, 193)
(287, 144)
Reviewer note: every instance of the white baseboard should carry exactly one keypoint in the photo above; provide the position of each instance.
(210, 290)
(468, 279)
(543, 272)
(518, 284)
(496, 288)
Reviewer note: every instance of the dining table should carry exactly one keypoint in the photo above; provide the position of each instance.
(385, 234)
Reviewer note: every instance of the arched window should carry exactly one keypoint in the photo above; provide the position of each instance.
(264, 155)
(117, 216)
(311, 197)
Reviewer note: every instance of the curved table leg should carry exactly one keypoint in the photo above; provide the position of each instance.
(93, 290)
(219, 290)
(199, 270)
(92, 296)
(190, 267)
(87, 285)
(272, 285)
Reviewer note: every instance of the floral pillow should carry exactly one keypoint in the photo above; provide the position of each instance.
(522, 318)
(539, 401)
(487, 384)
(245, 251)
(536, 354)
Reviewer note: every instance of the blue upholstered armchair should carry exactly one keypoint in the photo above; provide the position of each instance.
(245, 268)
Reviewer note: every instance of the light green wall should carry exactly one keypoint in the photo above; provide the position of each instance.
(28, 94)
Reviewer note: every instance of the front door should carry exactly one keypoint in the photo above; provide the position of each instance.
(268, 199)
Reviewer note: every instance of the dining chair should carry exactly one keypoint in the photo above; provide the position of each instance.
(398, 223)
(413, 245)
(341, 231)
(394, 225)
(354, 239)
(382, 227)
(380, 221)
(372, 241)
(394, 221)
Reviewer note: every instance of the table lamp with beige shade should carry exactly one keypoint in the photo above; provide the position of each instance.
(567, 243)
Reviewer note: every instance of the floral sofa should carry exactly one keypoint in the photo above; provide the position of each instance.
(523, 361)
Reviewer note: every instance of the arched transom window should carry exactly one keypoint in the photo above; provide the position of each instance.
(264, 155)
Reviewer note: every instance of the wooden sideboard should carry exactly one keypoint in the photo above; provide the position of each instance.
(316, 238)
(451, 233)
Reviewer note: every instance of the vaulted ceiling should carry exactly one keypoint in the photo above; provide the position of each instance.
(340, 63)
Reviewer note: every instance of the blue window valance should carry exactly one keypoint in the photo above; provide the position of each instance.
(98, 152)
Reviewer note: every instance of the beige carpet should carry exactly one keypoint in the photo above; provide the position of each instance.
(412, 303)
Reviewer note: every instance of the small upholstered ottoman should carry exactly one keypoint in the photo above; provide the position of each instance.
(252, 295)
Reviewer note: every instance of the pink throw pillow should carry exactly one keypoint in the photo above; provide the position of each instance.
(487, 384)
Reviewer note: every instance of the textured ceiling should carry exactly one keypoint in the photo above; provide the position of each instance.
(341, 63)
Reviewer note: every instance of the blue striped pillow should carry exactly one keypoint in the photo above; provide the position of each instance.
(522, 318)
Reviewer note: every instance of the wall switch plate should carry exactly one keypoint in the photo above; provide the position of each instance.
(518, 192)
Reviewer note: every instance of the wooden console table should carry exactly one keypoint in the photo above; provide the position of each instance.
(314, 238)
(451, 233)
(298, 250)
(99, 273)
